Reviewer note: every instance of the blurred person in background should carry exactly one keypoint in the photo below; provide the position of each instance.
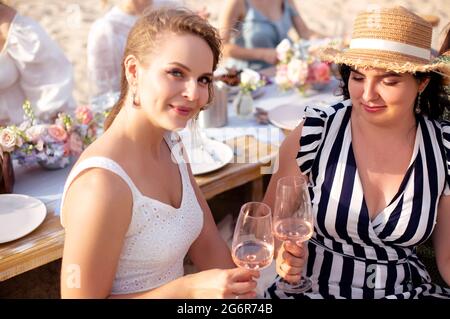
(106, 44)
(32, 67)
(251, 30)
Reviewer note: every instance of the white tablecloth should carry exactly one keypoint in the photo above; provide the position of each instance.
(46, 185)
(270, 99)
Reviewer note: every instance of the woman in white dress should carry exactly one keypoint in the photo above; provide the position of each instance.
(131, 208)
(32, 67)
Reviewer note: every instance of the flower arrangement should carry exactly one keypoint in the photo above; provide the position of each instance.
(250, 80)
(299, 67)
(52, 145)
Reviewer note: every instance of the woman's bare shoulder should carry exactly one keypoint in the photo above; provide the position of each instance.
(291, 144)
(100, 191)
(98, 188)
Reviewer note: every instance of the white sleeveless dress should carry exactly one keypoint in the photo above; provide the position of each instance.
(158, 236)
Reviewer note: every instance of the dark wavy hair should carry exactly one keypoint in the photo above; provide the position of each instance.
(434, 100)
(145, 35)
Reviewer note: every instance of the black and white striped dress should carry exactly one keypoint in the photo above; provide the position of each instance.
(351, 256)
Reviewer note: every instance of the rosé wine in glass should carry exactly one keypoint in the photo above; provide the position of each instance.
(293, 229)
(253, 242)
(253, 254)
(293, 221)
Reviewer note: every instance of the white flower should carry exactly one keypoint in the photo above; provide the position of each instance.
(284, 49)
(8, 140)
(36, 132)
(250, 80)
(297, 71)
(250, 77)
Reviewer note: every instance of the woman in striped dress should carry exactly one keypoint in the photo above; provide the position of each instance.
(378, 165)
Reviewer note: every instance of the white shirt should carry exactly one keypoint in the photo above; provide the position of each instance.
(33, 67)
(105, 48)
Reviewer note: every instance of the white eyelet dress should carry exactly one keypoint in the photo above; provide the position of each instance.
(158, 236)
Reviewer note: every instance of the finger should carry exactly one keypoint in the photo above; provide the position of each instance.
(249, 295)
(287, 269)
(240, 288)
(292, 279)
(292, 260)
(296, 249)
(241, 274)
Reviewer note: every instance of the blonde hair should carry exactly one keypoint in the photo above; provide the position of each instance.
(143, 38)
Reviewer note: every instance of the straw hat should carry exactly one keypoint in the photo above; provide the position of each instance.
(391, 38)
(432, 19)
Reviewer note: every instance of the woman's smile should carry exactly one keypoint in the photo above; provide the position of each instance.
(373, 108)
(181, 110)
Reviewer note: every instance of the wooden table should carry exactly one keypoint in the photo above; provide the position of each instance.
(45, 244)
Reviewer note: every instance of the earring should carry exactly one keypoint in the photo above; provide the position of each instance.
(417, 108)
(136, 103)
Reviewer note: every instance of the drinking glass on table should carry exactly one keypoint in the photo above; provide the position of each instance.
(253, 243)
(293, 221)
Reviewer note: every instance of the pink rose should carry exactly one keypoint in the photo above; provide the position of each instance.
(84, 114)
(35, 133)
(57, 132)
(66, 149)
(8, 140)
(321, 72)
(75, 144)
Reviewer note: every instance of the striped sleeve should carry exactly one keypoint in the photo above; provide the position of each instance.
(446, 141)
(312, 135)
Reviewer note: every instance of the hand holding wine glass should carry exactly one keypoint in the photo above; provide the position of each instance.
(293, 221)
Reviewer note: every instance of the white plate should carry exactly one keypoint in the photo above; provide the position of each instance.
(19, 216)
(213, 156)
(287, 116)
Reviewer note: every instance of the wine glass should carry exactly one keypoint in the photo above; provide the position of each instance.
(253, 243)
(293, 220)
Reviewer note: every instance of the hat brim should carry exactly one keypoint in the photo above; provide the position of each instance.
(383, 60)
